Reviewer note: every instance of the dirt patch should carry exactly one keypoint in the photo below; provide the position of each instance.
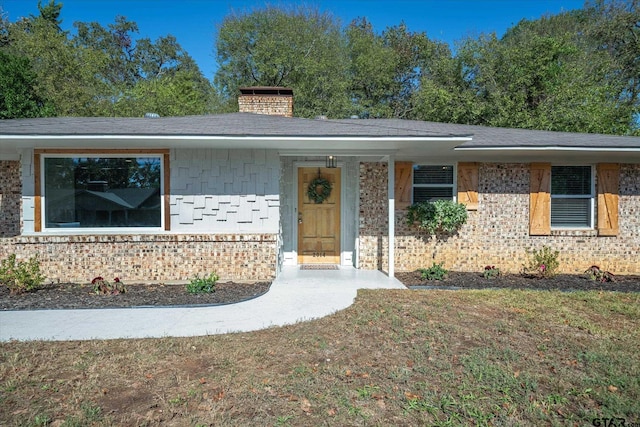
(563, 282)
(74, 296)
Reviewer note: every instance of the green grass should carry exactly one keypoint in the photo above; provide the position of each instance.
(401, 358)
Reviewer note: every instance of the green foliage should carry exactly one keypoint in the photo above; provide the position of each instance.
(542, 263)
(491, 271)
(435, 272)
(104, 287)
(22, 276)
(18, 96)
(199, 285)
(596, 273)
(441, 216)
(102, 71)
(296, 47)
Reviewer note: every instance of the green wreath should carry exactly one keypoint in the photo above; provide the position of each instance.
(325, 190)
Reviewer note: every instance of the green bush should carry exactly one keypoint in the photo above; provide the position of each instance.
(437, 217)
(491, 272)
(596, 273)
(435, 272)
(20, 277)
(201, 285)
(103, 287)
(543, 263)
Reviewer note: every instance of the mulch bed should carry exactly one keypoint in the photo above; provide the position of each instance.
(73, 296)
(563, 282)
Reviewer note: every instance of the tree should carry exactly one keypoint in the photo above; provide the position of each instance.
(183, 92)
(542, 74)
(18, 97)
(63, 74)
(615, 30)
(143, 76)
(299, 48)
(50, 13)
(372, 71)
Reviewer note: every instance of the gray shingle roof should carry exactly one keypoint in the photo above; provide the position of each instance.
(246, 124)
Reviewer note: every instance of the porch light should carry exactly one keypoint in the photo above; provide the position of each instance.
(331, 162)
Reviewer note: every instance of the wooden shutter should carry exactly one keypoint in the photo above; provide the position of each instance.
(468, 185)
(608, 182)
(540, 200)
(403, 184)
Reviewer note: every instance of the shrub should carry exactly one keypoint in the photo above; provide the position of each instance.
(20, 277)
(596, 273)
(435, 272)
(437, 217)
(200, 285)
(103, 287)
(543, 263)
(491, 271)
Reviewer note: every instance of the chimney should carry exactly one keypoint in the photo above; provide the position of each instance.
(274, 101)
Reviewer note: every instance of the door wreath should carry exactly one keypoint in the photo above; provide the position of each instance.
(319, 190)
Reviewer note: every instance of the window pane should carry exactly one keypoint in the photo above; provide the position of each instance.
(432, 174)
(90, 192)
(429, 194)
(570, 212)
(571, 180)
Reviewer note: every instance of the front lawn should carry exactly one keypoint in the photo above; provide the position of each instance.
(437, 357)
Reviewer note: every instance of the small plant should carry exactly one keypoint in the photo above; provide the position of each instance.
(596, 273)
(435, 272)
(441, 216)
(23, 276)
(491, 271)
(200, 285)
(543, 263)
(103, 287)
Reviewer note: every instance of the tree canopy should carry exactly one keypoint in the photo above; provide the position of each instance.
(575, 71)
(98, 71)
(295, 47)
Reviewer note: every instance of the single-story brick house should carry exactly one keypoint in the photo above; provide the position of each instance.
(166, 198)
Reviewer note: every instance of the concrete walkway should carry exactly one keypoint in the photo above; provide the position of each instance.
(294, 296)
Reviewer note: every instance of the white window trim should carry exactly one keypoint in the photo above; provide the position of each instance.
(99, 230)
(453, 186)
(591, 198)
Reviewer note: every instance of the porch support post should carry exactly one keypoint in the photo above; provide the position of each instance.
(391, 178)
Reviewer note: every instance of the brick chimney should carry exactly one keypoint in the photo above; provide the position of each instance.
(275, 101)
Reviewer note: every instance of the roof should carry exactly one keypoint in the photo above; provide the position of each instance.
(246, 130)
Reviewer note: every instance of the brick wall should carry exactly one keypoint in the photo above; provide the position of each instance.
(10, 196)
(271, 104)
(498, 233)
(373, 225)
(142, 258)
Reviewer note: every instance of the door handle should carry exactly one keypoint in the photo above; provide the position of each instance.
(300, 218)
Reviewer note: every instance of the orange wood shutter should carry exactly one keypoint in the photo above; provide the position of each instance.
(540, 200)
(403, 185)
(608, 182)
(468, 185)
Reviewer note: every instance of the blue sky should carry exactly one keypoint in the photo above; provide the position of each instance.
(193, 22)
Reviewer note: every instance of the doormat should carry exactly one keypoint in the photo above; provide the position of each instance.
(319, 267)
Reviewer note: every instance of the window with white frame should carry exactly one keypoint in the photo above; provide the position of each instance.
(572, 196)
(102, 191)
(433, 182)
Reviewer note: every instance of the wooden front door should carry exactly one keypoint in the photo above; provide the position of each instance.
(318, 223)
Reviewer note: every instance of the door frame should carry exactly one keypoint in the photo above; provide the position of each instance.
(294, 209)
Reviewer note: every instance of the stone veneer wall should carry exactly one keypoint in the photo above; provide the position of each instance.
(274, 105)
(10, 196)
(498, 233)
(373, 222)
(144, 258)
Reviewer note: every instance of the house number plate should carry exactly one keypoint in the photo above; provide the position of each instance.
(319, 254)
